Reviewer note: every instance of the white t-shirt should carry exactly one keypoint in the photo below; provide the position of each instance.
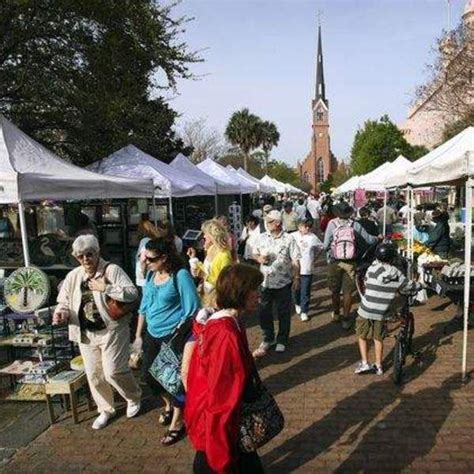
(252, 237)
(314, 208)
(308, 244)
(301, 211)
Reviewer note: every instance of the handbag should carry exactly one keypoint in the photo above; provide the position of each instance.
(166, 368)
(261, 418)
(118, 309)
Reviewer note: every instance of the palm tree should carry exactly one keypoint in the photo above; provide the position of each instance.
(269, 138)
(23, 282)
(244, 130)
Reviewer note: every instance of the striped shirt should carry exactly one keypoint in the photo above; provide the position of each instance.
(382, 284)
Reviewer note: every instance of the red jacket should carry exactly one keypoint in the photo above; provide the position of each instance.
(219, 369)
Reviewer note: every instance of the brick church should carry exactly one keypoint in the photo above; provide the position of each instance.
(320, 162)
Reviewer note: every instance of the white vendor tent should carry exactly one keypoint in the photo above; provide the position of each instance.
(374, 181)
(279, 187)
(30, 172)
(350, 185)
(131, 161)
(184, 165)
(261, 186)
(293, 189)
(246, 185)
(216, 171)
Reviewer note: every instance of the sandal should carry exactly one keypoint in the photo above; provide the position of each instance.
(173, 436)
(165, 417)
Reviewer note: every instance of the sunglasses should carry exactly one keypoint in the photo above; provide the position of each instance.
(153, 259)
(81, 256)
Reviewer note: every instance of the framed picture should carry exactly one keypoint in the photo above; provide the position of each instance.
(192, 235)
(112, 235)
(111, 214)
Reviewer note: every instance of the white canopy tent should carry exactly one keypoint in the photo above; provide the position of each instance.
(294, 189)
(350, 185)
(374, 181)
(279, 187)
(261, 186)
(30, 172)
(246, 185)
(216, 171)
(132, 162)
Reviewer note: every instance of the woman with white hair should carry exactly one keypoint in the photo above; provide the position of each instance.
(103, 341)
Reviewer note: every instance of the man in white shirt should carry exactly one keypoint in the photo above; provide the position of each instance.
(310, 248)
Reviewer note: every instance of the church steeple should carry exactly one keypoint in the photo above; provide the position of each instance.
(320, 84)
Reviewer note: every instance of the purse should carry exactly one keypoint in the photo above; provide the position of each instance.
(118, 309)
(261, 418)
(166, 368)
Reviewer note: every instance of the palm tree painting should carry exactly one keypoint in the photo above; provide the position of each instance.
(26, 289)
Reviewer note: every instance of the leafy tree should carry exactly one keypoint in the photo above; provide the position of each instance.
(244, 131)
(283, 172)
(326, 186)
(270, 137)
(377, 142)
(85, 78)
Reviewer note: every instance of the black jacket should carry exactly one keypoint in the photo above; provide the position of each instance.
(439, 240)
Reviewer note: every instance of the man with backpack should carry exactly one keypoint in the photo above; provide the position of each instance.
(342, 239)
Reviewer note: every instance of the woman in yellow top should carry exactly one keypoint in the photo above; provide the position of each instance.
(218, 256)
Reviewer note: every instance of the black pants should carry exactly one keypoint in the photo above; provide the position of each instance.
(283, 301)
(151, 347)
(248, 463)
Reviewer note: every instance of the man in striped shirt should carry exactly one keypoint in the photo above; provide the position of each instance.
(383, 283)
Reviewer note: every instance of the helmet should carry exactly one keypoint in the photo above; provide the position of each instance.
(385, 253)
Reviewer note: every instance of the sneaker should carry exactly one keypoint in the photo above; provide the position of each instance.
(262, 349)
(304, 317)
(363, 367)
(102, 420)
(133, 408)
(378, 369)
(298, 309)
(335, 317)
(280, 348)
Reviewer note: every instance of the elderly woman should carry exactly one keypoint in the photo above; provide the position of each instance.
(219, 375)
(103, 342)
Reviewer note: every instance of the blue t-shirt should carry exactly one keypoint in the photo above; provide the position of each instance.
(166, 305)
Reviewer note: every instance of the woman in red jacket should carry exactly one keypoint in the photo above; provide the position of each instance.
(218, 374)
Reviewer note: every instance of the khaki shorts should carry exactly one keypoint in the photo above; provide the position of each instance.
(370, 329)
(341, 276)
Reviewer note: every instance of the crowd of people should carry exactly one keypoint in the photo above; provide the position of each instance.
(192, 304)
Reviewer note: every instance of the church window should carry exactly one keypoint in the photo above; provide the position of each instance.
(306, 177)
(320, 170)
(319, 115)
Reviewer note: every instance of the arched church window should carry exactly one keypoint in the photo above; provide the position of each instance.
(320, 170)
(306, 177)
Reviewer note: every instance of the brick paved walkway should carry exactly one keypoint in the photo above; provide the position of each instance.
(335, 420)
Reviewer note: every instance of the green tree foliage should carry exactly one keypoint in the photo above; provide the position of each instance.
(244, 131)
(283, 172)
(377, 142)
(84, 77)
(270, 137)
(458, 126)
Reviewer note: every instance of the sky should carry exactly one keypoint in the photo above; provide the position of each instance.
(261, 54)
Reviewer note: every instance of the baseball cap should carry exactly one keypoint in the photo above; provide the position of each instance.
(267, 208)
(273, 216)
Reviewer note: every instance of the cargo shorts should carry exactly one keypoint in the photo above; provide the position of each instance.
(341, 276)
(370, 329)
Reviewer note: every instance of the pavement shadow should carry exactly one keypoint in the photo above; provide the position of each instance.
(354, 413)
(424, 412)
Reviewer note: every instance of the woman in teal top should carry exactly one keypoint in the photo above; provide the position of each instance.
(169, 300)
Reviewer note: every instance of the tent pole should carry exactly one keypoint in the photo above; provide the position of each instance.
(216, 212)
(467, 272)
(24, 234)
(170, 200)
(155, 218)
(384, 213)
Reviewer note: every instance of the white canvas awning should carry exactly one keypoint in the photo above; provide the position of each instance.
(247, 185)
(30, 172)
(216, 171)
(170, 182)
(374, 181)
(279, 187)
(261, 186)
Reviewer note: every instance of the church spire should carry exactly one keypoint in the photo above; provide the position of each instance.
(320, 84)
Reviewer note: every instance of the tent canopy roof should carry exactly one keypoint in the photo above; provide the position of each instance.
(131, 161)
(30, 172)
(247, 185)
(216, 171)
(261, 186)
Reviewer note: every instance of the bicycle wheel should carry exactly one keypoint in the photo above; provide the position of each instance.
(410, 332)
(397, 361)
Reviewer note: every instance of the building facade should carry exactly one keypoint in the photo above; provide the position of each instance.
(454, 85)
(320, 162)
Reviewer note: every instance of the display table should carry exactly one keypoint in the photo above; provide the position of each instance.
(67, 384)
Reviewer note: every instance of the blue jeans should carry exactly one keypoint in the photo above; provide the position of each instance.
(303, 295)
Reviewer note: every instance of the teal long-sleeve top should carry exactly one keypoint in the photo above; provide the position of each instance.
(166, 305)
